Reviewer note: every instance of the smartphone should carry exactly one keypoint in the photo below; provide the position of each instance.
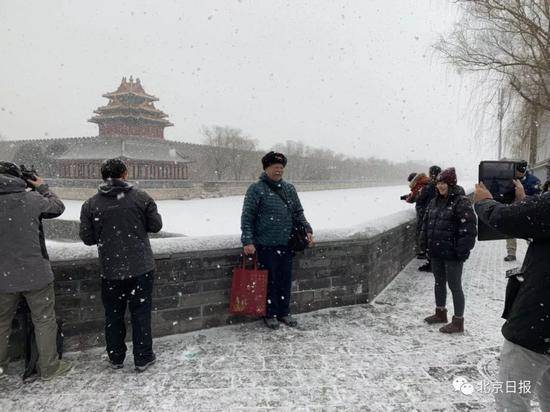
(498, 177)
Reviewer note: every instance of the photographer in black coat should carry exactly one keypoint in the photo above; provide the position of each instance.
(525, 354)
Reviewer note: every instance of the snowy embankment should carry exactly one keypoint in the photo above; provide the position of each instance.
(209, 224)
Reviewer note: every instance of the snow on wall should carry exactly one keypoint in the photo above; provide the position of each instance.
(212, 224)
(60, 251)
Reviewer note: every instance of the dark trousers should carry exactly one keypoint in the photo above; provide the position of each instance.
(448, 271)
(116, 296)
(278, 261)
(419, 222)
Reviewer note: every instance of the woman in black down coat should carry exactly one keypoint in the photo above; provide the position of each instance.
(448, 234)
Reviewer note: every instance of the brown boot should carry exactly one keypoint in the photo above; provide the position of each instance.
(456, 326)
(439, 317)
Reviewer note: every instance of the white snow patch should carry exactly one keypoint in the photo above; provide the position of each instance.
(211, 224)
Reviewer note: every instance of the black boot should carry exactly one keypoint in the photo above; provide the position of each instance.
(288, 320)
(426, 267)
(509, 258)
(271, 323)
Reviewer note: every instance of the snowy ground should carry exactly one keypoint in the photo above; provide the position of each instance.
(376, 357)
(325, 210)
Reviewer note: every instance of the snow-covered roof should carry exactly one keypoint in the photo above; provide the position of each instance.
(100, 148)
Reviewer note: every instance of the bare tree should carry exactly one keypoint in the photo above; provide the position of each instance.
(298, 168)
(229, 151)
(510, 38)
(509, 42)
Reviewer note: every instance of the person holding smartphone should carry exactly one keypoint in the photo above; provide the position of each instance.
(525, 354)
(531, 187)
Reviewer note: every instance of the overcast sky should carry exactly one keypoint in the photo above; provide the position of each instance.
(359, 77)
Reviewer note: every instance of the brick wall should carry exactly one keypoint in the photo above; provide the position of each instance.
(192, 288)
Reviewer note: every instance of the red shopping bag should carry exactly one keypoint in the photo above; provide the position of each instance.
(249, 290)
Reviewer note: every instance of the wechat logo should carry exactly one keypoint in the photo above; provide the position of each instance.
(461, 384)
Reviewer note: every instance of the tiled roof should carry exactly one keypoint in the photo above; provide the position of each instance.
(100, 148)
(130, 103)
(131, 88)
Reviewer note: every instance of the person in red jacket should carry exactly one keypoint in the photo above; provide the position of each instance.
(417, 182)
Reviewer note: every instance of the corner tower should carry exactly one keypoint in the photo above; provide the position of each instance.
(130, 113)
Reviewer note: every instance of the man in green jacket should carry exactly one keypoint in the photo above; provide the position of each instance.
(271, 206)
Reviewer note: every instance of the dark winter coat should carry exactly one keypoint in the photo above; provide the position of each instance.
(531, 184)
(528, 317)
(449, 226)
(266, 219)
(118, 219)
(24, 263)
(424, 197)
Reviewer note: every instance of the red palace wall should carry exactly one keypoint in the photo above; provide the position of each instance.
(125, 129)
(136, 170)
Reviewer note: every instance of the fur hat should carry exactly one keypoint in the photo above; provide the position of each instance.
(448, 176)
(273, 158)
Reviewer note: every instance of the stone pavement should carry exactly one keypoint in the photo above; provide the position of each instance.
(375, 357)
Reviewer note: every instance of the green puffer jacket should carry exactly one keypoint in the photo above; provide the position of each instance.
(266, 220)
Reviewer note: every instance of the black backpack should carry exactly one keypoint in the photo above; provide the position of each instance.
(29, 340)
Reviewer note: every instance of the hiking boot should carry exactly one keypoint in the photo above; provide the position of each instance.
(426, 267)
(145, 366)
(456, 326)
(439, 317)
(63, 368)
(271, 323)
(509, 258)
(288, 321)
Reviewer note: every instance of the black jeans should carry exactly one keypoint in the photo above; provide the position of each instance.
(419, 222)
(278, 261)
(448, 271)
(116, 295)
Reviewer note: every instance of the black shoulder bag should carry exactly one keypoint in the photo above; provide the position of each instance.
(298, 237)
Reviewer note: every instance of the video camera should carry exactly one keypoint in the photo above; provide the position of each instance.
(22, 172)
(498, 177)
(28, 173)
